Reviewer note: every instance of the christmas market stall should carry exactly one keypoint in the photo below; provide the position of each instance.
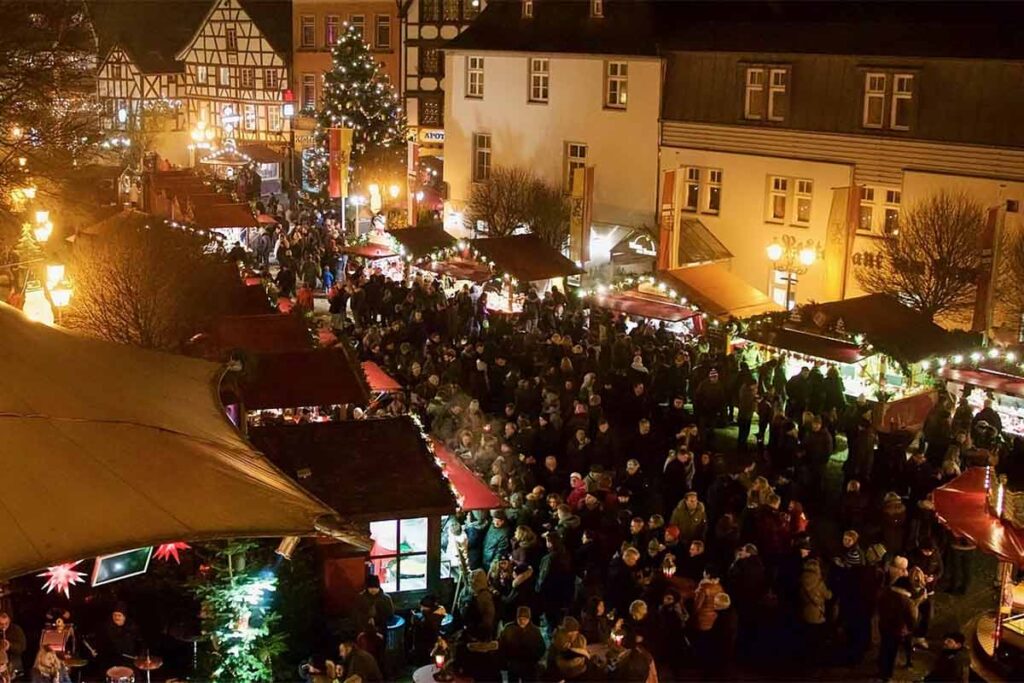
(507, 267)
(387, 475)
(719, 292)
(234, 222)
(874, 342)
(136, 449)
(645, 298)
(979, 506)
(981, 374)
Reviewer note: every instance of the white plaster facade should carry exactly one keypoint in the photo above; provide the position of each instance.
(621, 143)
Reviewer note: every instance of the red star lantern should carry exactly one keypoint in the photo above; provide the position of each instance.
(61, 577)
(167, 551)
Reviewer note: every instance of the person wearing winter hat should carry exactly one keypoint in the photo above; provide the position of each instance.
(566, 637)
(522, 645)
(373, 608)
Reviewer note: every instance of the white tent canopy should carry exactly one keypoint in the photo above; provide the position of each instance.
(106, 448)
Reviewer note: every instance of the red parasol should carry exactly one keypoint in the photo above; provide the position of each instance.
(962, 506)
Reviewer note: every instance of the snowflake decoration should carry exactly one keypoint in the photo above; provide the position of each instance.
(61, 577)
(166, 551)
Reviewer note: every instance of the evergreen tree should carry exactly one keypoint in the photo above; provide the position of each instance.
(358, 96)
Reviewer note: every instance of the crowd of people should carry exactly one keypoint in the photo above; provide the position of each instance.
(638, 535)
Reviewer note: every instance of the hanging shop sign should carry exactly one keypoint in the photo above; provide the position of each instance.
(431, 136)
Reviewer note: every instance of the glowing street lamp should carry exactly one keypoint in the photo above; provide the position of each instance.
(792, 258)
(54, 274)
(774, 252)
(44, 227)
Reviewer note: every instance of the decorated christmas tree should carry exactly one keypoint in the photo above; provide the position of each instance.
(357, 95)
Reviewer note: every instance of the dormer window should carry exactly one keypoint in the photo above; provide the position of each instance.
(527, 9)
(597, 9)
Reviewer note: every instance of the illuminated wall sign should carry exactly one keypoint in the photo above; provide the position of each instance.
(110, 568)
(644, 245)
(432, 136)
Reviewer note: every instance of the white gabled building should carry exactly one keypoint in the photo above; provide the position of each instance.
(551, 86)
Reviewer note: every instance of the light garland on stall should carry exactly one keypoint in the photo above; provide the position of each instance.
(1008, 361)
(664, 289)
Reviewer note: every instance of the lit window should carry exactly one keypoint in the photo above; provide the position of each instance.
(778, 88)
(430, 61)
(540, 79)
(874, 100)
(358, 22)
(527, 9)
(274, 118)
(902, 97)
(783, 288)
(430, 10)
(307, 37)
(331, 24)
(891, 224)
(692, 189)
(201, 75)
(383, 32)
(597, 8)
(866, 220)
(616, 84)
(452, 10)
(249, 118)
(778, 196)
(232, 39)
(430, 112)
(270, 171)
(271, 80)
(802, 197)
(309, 91)
(753, 99)
(399, 554)
(474, 76)
(224, 76)
(248, 77)
(714, 201)
(575, 157)
(481, 156)
(115, 72)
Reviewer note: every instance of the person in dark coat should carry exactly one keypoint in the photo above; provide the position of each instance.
(522, 593)
(14, 636)
(479, 612)
(798, 393)
(896, 620)
(358, 662)
(498, 539)
(622, 587)
(373, 607)
(953, 665)
(556, 582)
(522, 646)
(118, 637)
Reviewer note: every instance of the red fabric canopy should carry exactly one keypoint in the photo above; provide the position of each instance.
(378, 379)
(1003, 384)
(473, 494)
(645, 305)
(369, 251)
(961, 506)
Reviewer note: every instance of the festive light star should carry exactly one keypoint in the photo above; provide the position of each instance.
(61, 577)
(166, 551)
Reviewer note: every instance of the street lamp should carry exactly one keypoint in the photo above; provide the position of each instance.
(793, 258)
(44, 227)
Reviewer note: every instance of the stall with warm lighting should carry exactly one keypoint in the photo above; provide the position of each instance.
(980, 374)
(875, 343)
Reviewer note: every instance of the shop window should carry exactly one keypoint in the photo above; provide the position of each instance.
(399, 554)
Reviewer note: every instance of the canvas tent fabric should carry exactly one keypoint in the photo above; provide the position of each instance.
(720, 292)
(526, 257)
(107, 448)
(367, 470)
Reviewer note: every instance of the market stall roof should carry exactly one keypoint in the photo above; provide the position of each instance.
(118, 220)
(249, 300)
(460, 269)
(209, 216)
(292, 379)
(986, 379)
(266, 219)
(422, 241)
(526, 257)
(366, 469)
(259, 334)
(473, 494)
(644, 305)
(379, 380)
(899, 330)
(809, 344)
(262, 154)
(962, 506)
(369, 251)
(109, 447)
(720, 292)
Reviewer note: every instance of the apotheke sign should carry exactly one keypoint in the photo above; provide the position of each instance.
(432, 136)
